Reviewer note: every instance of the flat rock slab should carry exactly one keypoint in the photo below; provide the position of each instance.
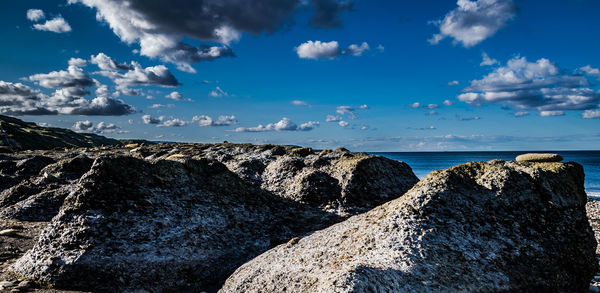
(539, 158)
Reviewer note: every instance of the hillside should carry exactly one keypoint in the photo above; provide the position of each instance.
(17, 134)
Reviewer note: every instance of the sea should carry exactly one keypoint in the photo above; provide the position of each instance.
(424, 162)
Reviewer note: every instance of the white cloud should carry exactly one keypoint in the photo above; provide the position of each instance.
(56, 25)
(591, 114)
(551, 113)
(356, 50)
(318, 50)
(83, 125)
(72, 77)
(223, 120)
(474, 21)
(126, 75)
(343, 123)
(329, 50)
(454, 82)
(147, 119)
(285, 124)
(174, 122)
(350, 111)
(102, 127)
(415, 105)
(536, 85)
(487, 61)
(35, 14)
(106, 63)
(218, 92)
(521, 114)
(300, 103)
(174, 96)
(449, 103)
(430, 106)
(331, 118)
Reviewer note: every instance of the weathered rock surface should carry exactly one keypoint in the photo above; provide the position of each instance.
(497, 226)
(182, 217)
(539, 158)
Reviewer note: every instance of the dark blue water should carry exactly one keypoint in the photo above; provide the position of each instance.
(424, 162)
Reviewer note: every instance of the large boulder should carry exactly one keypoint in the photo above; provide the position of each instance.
(169, 225)
(496, 226)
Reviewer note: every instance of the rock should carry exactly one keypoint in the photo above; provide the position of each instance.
(176, 225)
(23, 285)
(535, 157)
(502, 226)
(5, 285)
(9, 232)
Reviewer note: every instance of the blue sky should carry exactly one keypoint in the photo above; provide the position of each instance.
(367, 75)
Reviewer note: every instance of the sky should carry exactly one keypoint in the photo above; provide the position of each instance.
(375, 75)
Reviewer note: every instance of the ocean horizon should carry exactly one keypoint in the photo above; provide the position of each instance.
(422, 163)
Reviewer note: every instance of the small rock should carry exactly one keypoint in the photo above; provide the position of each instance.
(24, 285)
(538, 158)
(9, 232)
(6, 285)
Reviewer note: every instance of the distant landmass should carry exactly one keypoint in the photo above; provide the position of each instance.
(16, 134)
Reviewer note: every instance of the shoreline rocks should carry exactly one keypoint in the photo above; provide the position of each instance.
(183, 217)
(498, 226)
(539, 158)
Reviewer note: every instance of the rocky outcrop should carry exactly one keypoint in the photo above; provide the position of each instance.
(183, 217)
(177, 225)
(497, 226)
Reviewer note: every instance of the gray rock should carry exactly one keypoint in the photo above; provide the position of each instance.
(171, 224)
(500, 226)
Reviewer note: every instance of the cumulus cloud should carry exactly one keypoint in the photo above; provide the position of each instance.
(343, 123)
(19, 99)
(328, 50)
(72, 77)
(154, 75)
(449, 103)
(591, 114)
(430, 106)
(55, 25)
(415, 105)
(35, 14)
(285, 124)
(454, 82)
(536, 85)
(159, 27)
(83, 125)
(174, 96)
(487, 61)
(350, 111)
(147, 119)
(174, 122)
(101, 127)
(223, 120)
(356, 50)
(106, 63)
(474, 21)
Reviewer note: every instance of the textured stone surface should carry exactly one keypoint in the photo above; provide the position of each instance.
(183, 217)
(539, 158)
(498, 226)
